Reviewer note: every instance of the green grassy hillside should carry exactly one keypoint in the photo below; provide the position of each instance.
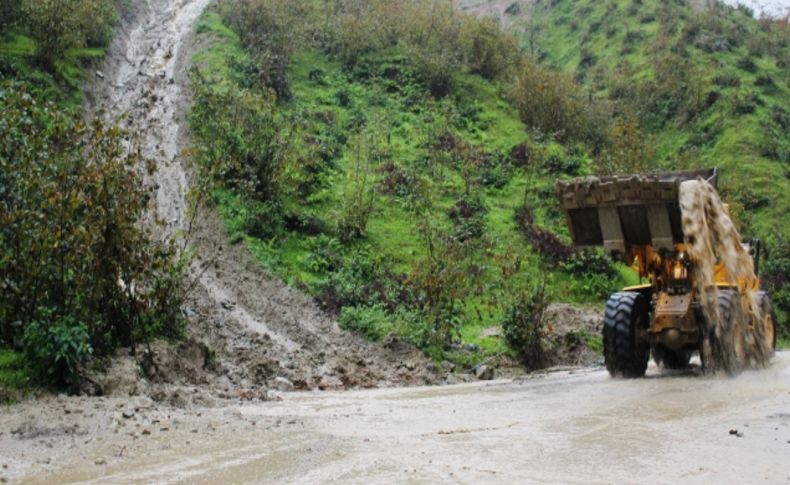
(402, 172)
(710, 85)
(727, 72)
(439, 179)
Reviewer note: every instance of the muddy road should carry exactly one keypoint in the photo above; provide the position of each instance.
(569, 427)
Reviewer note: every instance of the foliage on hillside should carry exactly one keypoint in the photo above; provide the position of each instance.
(370, 154)
(79, 276)
(705, 86)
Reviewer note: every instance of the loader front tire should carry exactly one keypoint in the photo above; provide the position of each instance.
(624, 354)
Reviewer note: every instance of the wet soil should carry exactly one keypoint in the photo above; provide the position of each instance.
(248, 331)
(577, 426)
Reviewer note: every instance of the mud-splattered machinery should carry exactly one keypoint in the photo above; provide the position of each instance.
(673, 230)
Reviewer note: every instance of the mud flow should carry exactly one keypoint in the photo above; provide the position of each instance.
(264, 334)
(739, 321)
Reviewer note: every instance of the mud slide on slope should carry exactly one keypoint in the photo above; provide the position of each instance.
(262, 328)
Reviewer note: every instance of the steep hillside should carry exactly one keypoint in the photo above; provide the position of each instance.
(708, 83)
(402, 190)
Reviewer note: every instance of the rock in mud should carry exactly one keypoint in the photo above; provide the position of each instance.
(330, 383)
(484, 373)
(283, 384)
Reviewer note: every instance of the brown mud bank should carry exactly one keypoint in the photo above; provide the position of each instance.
(247, 330)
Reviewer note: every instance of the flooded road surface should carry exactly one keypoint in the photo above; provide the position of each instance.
(569, 427)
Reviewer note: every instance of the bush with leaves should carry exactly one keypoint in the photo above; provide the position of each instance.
(630, 150)
(593, 273)
(775, 275)
(449, 272)
(57, 347)
(552, 103)
(548, 245)
(271, 31)
(359, 196)
(372, 322)
(491, 52)
(59, 25)
(73, 253)
(9, 13)
(244, 142)
(523, 326)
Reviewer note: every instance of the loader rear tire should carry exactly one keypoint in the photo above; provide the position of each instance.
(768, 328)
(624, 354)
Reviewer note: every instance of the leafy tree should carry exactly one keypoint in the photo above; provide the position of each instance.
(59, 25)
(78, 273)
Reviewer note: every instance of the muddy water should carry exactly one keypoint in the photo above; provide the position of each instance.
(569, 427)
(712, 239)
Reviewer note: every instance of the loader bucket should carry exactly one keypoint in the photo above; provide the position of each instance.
(622, 211)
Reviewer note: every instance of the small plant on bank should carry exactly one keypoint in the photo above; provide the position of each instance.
(523, 325)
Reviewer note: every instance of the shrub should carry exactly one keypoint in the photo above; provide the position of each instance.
(57, 348)
(243, 141)
(556, 161)
(361, 280)
(549, 101)
(359, 196)
(491, 52)
(727, 81)
(271, 31)
(74, 258)
(326, 254)
(775, 275)
(593, 273)
(9, 13)
(746, 64)
(550, 247)
(59, 25)
(630, 150)
(447, 274)
(468, 217)
(372, 322)
(523, 326)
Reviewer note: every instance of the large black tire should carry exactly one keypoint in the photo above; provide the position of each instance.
(624, 355)
(768, 332)
(729, 348)
(671, 359)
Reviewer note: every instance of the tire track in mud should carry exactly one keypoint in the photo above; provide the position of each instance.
(262, 328)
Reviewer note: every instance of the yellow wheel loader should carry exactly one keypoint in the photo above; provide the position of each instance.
(701, 292)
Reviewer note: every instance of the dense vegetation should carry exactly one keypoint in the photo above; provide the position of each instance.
(79, 275)
(372, 153)
(705, 86)
(397, 159)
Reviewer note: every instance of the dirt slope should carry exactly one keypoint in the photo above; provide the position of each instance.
(246, 327)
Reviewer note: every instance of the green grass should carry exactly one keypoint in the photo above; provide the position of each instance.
(735, 145)
(62, 87)
(476, 111)
(756, 184)
(15, 377)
